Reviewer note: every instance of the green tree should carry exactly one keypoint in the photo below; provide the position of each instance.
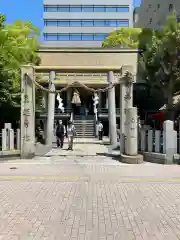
(124, 37)
(128, 38)
(137, 38)
(18, 46)
(161, 62)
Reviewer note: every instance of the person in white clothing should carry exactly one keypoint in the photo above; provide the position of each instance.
(100, 130)
(71, 133)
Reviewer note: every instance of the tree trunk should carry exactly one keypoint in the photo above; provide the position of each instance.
(169, 114)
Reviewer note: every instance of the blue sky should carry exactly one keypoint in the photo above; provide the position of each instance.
(30, 10)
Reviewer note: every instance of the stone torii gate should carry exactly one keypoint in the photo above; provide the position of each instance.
(128, 114)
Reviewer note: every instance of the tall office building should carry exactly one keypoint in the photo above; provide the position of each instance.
(84, 23)
(153, 13)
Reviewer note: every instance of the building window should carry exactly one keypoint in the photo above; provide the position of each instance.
(99, 37)
(51, 37)
(75, 36)
(86, 23)
(99, 9)
(63, 9)
(122, 23)
(111, 9)
(99, 23)
(85, 8)
(87, 37)
(51, 23)
(122, 9)
(63, 37)
(63, 23)
(111, 23)
(50, 8)
(75, 23)
(75, 9)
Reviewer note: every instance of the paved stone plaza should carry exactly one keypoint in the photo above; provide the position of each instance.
(86, 196)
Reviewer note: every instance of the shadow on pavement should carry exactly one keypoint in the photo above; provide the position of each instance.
(111, 155)
(41, 149)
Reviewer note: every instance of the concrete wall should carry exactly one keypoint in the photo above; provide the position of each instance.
(153, 13)
(89, 57)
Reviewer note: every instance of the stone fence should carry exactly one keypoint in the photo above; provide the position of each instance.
(156, 146)
(10, 141)
(159, 146)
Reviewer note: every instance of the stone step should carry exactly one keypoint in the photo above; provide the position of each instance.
(84, 127)
(92, 131)
(85, 130)
(84, 120)
(90, 117)
(81, 134)
(85, 136)
(84, 124)
(80, 122)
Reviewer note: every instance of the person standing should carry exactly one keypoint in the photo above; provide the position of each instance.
(100, 130)
(71, 133)
(60, 133)
(86, 111)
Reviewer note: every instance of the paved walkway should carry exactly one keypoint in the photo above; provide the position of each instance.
(82, 147)
(89, 197)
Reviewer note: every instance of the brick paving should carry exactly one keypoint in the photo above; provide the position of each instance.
(88, 198)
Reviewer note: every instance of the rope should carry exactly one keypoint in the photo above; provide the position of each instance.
(78, 84)
(75, 84)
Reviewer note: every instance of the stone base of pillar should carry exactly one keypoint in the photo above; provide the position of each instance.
(28, 156)
(137, 159)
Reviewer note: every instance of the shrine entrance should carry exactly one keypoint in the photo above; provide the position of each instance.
(85, 105)
(108, 68)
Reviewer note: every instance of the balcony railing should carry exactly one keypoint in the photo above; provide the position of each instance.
(57, 111)
(68, 111)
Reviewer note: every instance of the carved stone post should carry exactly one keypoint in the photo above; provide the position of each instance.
(112, 111)
(131, 147)
(126, 101)
(131, 131)
(27, 112)
(122, 116)
(51, 106)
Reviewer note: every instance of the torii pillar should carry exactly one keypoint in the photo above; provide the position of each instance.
(51, 108)
(112, 111)
(128, 119)
(27, 112)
